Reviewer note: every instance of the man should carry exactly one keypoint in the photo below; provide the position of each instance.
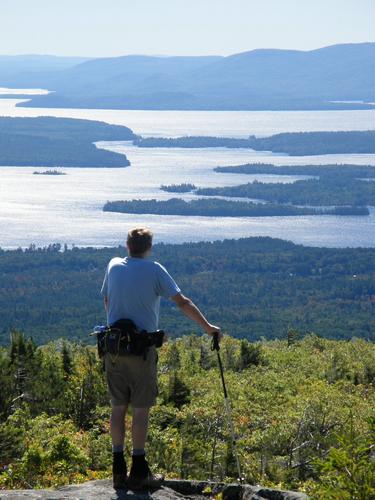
(132, 289)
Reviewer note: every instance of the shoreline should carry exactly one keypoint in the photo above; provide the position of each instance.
(72, 246)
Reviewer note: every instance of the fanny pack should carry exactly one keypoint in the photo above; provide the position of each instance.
(123, 339)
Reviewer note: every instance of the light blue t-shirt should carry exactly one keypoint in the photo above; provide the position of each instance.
(133, 287)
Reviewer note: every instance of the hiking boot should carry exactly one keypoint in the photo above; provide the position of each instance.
(141, 477)
(119, 472)
(119, 481)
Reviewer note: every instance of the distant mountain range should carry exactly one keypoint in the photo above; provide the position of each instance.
(30, 71)
(335, 77)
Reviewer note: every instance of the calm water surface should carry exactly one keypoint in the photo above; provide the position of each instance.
(217, 123)
(68, 209)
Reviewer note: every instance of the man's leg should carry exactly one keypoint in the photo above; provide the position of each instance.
(140, 474)
(140, 428)
(117, 422)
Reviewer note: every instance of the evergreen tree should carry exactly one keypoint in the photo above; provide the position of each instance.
(67, 362)
(173, 357)
(179, 393)
(204, 359)
(250, 354)
(292, 336)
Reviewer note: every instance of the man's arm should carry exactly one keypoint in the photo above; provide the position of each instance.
(188, 307)
(105, 303)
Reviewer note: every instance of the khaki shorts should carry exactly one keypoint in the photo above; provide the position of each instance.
(132, 379)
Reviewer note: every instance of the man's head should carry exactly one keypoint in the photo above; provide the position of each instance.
(139, 241)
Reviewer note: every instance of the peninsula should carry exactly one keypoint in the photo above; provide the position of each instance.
(291, 143)
(339, 185)
(59, 142)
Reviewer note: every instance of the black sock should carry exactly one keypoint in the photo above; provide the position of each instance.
(119, 464)
(139, 464)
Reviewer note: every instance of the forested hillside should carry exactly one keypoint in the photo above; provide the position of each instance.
(253, 288)
(302, 410)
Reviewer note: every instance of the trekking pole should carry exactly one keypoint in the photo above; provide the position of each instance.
(215, 346)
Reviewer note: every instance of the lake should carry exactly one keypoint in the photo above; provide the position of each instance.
(217, 123)
(68, 209)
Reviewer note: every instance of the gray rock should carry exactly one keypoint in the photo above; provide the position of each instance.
(171, 490)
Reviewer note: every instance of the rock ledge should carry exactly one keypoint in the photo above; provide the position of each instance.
(171, 490)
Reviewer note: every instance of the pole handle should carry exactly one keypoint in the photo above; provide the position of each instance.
(215, 345)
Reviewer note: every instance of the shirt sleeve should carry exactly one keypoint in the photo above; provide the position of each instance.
(166, 285)
(104, 289)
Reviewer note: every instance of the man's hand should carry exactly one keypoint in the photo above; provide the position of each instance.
(165, 337)
(191, 310)
(212, 329)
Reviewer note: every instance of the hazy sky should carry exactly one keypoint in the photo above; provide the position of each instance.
(180, 27)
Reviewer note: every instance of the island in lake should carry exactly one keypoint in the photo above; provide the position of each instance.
(178, 188)
(217, 207)
(331, 185)
(49, 172)
(59, 142)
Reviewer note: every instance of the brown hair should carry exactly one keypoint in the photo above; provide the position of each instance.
(139, 241)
